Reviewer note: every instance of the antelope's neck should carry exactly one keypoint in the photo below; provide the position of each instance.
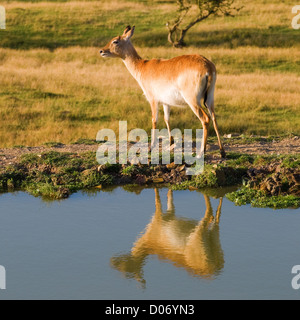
(132, 61)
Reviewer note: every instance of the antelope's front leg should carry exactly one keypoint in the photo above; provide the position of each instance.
(154, 110)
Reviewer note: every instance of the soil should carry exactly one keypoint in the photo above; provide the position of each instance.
(263, 147)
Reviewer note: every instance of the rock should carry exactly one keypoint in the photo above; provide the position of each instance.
(181, 168)
(157, 180)
(140, 179)
(170, 166)
(101, 168)
(230, 135)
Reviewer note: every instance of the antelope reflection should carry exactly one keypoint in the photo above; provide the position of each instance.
(194, 245)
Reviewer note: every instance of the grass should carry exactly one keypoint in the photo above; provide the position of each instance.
(66, 95)
(55, 175)
(235, 171)
(258, 198)
(54, 86)
(56, 24)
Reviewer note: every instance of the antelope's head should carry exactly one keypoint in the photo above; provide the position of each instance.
(119, 47)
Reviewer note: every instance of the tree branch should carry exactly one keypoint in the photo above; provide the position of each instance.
(205, 9)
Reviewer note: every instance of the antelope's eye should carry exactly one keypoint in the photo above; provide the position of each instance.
(115, 41)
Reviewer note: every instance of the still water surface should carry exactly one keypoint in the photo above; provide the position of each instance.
(147, 244)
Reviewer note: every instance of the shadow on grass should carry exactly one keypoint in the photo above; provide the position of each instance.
(274, 36)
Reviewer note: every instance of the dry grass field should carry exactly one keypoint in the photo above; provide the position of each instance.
(54, 86)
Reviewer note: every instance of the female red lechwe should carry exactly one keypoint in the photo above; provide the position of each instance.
(179, 81)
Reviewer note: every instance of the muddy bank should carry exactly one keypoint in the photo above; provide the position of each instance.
(236, 143)
(266, 180)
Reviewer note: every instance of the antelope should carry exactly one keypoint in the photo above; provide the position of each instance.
(191, 244)
(180, 81)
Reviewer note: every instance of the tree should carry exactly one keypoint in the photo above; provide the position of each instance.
(191, 12)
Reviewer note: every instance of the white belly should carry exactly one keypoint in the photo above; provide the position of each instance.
(168, 95)
(172, 97)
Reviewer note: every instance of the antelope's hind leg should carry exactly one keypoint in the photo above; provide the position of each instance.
(209, 103)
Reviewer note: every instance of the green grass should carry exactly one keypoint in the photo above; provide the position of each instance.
(34, 25)
(258, 198)
(60, 25)
(55, 175)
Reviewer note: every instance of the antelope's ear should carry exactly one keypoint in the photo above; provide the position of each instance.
(128, 32)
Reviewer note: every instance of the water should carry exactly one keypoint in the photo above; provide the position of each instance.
(147, 244)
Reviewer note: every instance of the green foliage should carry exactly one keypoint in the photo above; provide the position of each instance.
(29, 158)
(238, 160)
(212, 177)
(258, 198)
(55, 175)
(286, 161)
(130, 170)
(55, 158)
